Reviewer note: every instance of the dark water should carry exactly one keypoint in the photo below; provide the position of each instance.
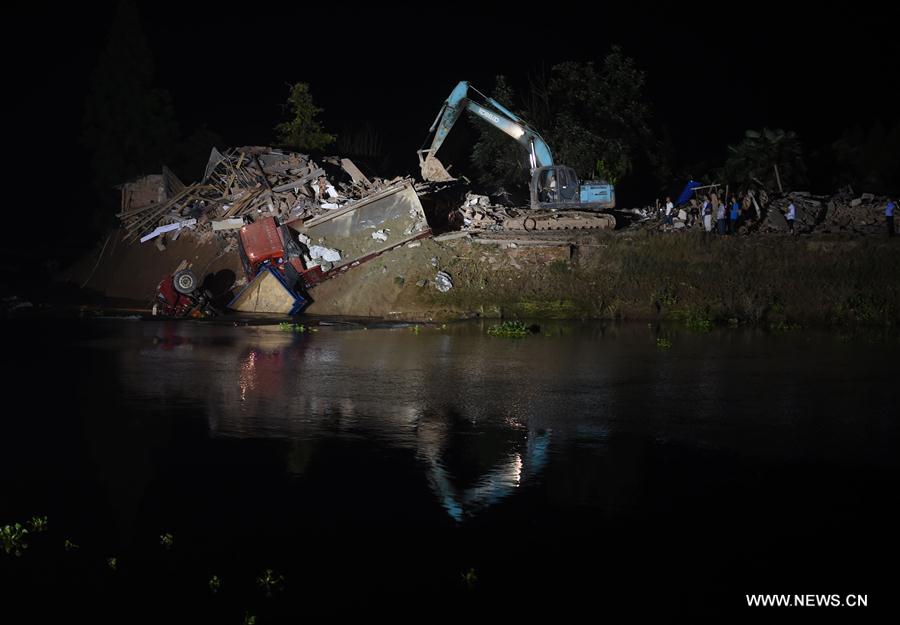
(581, 469)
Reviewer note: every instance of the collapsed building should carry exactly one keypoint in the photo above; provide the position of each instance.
(309, 221)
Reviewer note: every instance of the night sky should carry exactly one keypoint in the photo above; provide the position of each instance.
(711, 72)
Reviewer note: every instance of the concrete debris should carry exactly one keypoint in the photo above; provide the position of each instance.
(479, 214)
(380, 235)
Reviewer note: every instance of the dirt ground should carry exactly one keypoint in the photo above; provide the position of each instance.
(131, 271)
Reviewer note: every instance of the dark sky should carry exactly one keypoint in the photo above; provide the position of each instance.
(713, 70)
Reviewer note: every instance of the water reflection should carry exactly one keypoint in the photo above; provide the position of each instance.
(268, 384)
(469, 473)
(481, 418)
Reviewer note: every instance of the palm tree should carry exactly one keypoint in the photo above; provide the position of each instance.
(755, 157)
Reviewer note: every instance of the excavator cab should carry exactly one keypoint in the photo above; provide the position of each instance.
(554, 186)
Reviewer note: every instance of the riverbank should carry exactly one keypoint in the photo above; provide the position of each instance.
(774, 280)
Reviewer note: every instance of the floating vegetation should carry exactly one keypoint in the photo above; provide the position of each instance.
(166, 540)
(215, 583)
(509, 329)
(784, 326)
(698, 323)
(270, 581)
(12, 537)
(663, 343)
(37, 524)
(112, 563)
(70, 546)
(297, 328)
(470, 578)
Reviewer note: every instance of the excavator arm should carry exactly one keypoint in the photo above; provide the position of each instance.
(491, 112)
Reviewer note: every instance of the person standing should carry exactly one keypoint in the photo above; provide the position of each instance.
(791, 215)
(670, 208)
(706, 213)
(889, 216)
(720, 217)
(735, 215)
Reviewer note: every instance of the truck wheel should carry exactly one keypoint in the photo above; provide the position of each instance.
(185, 281)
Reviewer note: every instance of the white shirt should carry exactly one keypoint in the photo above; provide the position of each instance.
(791, 212)
(669, 208)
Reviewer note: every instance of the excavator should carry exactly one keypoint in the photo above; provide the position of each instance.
(553, 187)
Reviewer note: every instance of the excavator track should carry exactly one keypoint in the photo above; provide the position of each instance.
(570, 220)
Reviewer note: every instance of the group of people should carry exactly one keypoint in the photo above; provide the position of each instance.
(728, 216)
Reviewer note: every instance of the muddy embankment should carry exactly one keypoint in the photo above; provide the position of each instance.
(775, 280)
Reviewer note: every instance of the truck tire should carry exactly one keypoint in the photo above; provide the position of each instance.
(185, 281)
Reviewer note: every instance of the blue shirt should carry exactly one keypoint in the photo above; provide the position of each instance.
(735, 208)
(889, 209)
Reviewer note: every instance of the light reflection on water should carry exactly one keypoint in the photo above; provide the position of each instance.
(484, 416)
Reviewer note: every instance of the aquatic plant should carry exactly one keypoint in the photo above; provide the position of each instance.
(470, 578)
(294, 327)
(166, 540)
(38, 524)
(269, 580)
(70, 546)
(215, 583)
(698, 322)
(112, 563)
(509, 329)
(12, 537)
(663, 343)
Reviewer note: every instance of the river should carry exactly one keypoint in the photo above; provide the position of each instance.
(585, 466)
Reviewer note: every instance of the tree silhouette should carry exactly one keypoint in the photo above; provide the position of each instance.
(128, 126)
(302, 131)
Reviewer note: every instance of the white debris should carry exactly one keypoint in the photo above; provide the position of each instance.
(227, 224)
(324, 253)
(168, 228)
(443, 282)
(380, 235)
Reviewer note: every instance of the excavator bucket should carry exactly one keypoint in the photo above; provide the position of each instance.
(434, 170)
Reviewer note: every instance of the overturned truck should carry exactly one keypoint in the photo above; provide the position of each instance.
(283, 261)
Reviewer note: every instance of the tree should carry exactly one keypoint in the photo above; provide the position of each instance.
(302, 131)
(128, 127)
(869, 160)
(600, 119)
(499, 159)
(597, 121)
(755, 158)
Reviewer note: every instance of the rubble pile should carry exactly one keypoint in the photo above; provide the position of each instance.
(840, 212)
(479, 213)
(239, 185)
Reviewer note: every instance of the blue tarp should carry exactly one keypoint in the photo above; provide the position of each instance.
(687, 193)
